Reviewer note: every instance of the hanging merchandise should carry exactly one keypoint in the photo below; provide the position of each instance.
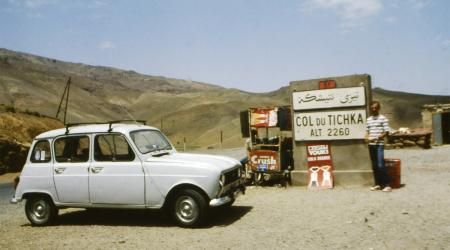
(273, 117)
(259, 118)
(263, 117)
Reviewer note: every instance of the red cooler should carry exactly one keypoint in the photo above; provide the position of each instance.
(394, 171)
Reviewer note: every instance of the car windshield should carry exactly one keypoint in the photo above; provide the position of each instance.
(150, 140)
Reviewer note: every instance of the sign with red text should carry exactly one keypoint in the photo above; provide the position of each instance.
(320, 166)
(264, 160)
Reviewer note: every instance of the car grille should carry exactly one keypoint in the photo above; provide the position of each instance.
(231, 176)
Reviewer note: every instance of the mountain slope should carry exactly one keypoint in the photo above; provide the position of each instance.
(17, 129)
(186, 109)
(189, 110)
(404, 109)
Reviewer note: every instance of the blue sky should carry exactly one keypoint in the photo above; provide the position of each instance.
(252, 45)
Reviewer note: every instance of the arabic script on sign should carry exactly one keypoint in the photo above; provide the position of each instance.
(329, 98)
(318, 98)
(349, 98)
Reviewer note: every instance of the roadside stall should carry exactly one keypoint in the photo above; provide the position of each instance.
(269, 143)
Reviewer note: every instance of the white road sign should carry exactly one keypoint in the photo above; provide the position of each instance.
(333, 125)
(329, 98)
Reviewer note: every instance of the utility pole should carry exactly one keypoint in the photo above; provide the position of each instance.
(65, 94)
(221, 139)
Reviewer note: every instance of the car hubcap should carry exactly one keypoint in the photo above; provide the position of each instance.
(186, 209)
(39, 210)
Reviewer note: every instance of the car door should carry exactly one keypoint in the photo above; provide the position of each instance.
(116, 175)
(71, 168)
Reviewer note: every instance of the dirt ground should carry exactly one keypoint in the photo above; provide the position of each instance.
(416, 216)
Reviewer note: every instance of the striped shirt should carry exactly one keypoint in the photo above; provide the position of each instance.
(377, 125)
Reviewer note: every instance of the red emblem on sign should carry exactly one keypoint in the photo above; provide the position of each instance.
(329, 84)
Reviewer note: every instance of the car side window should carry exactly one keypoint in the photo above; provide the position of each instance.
(112, 147)
(41, 152)
(72, 149)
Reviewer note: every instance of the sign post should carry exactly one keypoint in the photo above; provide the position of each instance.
(329, 124)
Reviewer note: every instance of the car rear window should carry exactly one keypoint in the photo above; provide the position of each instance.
(41, 152)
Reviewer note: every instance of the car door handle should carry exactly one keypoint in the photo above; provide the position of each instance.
(59, 170)
(96, 170)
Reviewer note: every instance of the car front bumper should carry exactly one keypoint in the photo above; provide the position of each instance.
(231, 195)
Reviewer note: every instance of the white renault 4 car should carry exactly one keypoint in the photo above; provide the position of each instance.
(118, 165)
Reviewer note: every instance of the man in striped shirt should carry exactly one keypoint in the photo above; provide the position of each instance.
(377, 129)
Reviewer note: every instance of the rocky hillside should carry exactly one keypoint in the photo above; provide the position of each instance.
(404, 109)
(183, 109)
(17, 129)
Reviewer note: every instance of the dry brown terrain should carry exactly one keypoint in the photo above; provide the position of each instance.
(22, 127)
(415, 216)
(183, 108)
(17, 130)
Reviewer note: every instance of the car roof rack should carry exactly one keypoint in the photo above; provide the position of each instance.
(69, 125)
(119, 121)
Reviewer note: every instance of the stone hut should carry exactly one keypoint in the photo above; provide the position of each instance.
(436, 117)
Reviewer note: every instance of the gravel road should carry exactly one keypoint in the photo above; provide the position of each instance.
(415, 216)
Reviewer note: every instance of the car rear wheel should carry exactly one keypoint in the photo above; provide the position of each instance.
(40, 211)
(189, 208)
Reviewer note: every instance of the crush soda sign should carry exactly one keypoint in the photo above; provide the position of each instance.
(264, 160)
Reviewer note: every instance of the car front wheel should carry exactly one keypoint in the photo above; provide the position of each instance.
(40, 211)
(189, 208)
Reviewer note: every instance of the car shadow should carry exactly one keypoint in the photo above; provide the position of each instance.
(115, 217)
(143, 218)
(227, 215)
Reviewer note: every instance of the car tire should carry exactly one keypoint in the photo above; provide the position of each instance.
(189, 208)
(40, 211)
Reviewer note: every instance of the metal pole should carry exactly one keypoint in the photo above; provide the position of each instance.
(221, 139)
(67, 99)
(184, 143)
(62, 98)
